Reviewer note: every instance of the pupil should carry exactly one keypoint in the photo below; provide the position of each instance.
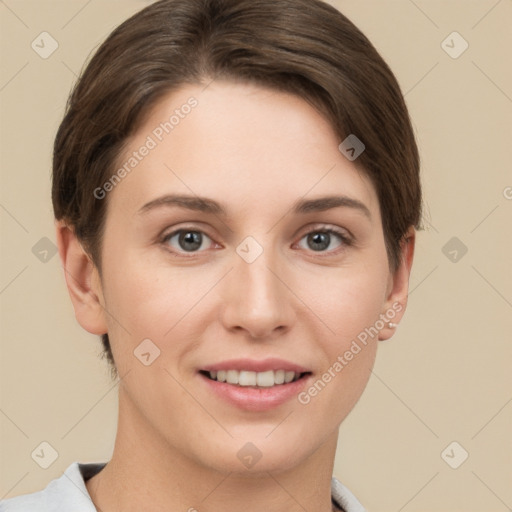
(191, 240)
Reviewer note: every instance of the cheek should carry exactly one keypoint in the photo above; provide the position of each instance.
(350, 305)
(347, 300)
(151, 300)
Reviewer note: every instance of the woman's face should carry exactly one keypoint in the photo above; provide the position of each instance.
(217, 256)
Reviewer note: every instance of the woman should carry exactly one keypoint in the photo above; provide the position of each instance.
(236, 191)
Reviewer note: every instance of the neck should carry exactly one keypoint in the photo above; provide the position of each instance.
(147, 473)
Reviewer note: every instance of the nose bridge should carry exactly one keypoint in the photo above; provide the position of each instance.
(260, 281)
(258, 301)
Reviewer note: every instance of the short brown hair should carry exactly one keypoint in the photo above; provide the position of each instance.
(305, 47)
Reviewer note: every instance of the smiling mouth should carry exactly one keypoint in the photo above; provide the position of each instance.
(246, 378)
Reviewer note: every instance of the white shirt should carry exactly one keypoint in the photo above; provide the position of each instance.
(68, 493)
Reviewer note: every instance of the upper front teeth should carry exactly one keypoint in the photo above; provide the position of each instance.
(247, 378)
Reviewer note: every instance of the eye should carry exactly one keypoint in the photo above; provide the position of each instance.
(186, 240)
(320, 239)
(189, 240)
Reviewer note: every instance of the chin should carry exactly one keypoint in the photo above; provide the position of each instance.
(259, 454)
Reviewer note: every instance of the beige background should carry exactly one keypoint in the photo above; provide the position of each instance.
(444, 377)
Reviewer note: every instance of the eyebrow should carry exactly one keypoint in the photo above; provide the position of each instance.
(302, 206)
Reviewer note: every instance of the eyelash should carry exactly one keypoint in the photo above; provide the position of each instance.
(346, 240)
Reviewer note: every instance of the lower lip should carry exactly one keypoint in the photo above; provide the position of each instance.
(260, 399)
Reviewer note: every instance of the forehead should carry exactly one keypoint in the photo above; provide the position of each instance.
(240, 143)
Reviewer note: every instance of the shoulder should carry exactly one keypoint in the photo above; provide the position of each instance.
(342, 497)
(68, 492)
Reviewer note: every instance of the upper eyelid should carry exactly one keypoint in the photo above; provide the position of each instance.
(185, 228)
(313, 228)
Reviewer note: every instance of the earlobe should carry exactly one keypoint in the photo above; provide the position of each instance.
(396, 301)
(82, 280)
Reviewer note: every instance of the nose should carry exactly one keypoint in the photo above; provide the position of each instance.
(257, 299)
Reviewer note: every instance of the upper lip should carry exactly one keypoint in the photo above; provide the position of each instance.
(256, 366)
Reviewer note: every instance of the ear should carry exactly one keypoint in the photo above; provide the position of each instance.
(82, 280)
(398, 287)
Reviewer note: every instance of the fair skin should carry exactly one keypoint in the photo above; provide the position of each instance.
(256, 152)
